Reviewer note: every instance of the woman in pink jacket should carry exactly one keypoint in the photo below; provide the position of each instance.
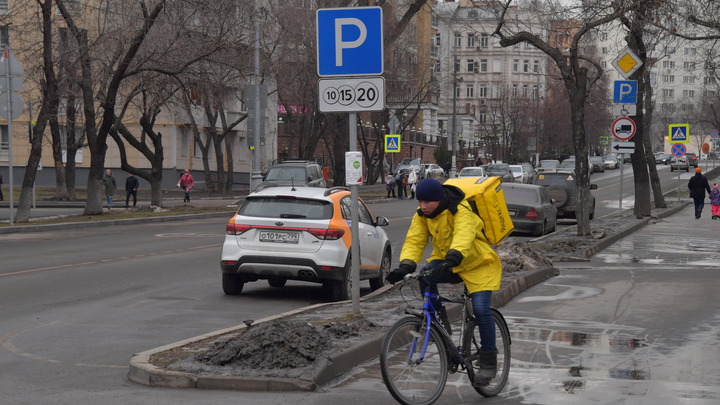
(186, 183)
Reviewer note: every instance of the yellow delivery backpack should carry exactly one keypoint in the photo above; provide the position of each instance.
(486, 198)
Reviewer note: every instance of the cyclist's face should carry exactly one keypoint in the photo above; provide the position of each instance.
(428, 207)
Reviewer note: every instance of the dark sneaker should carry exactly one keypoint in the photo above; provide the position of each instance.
(486, 368)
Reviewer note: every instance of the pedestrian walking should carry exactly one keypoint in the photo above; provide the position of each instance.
(390, 185)
(186, 183)
(405, 185)
(715, 201)
(412, 180)
(110, 187)
(1, 184)
(698, 184)
(398, 183)
(131, 186)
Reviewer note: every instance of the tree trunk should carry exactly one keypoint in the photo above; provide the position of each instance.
(61, 192)
(577, 91)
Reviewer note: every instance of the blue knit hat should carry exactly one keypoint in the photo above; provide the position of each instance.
(429, 190)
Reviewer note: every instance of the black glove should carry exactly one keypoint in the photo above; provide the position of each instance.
(399, 273)
(442, 269)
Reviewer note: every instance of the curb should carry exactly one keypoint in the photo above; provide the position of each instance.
(143, 372)
(127, 221)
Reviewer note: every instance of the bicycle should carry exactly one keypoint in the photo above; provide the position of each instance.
(417, 353)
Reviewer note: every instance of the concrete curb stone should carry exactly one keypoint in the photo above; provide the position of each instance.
(144, 372)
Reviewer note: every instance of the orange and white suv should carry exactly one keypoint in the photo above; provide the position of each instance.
(302, 233)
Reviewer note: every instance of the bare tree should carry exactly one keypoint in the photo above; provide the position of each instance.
(579, 73)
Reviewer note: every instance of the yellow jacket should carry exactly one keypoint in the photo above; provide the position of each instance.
(480, 269)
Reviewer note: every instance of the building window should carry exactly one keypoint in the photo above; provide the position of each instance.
(535, 93)
(668, 79)
(457, 65)
(667, 106)
(668, 64)
(483, 65)
(5, 35)
(458, 40)
(668, 92)
(604, 50)
(536, 66)
(484, 40)
(482, 118)
(689, 93)
(525, 90)
(471, 40)
(457, 91)
(603, 64)
(470, 91)
(471, 65)
(709, 80)
(515, 90)
(516, 65)
(436, 39)
(690, 51)
(4, 6)
(526, 66)
(4, 142)
(689, 65)
(482, 91)
(604, 36)
(688, 107)
(689, 79)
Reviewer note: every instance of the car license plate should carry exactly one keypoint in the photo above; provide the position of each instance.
(279, 237)
(513, 213)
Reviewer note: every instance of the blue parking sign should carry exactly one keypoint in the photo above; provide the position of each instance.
(625, 91)
(349, 41)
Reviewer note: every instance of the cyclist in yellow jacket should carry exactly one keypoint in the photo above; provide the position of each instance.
(460, 254)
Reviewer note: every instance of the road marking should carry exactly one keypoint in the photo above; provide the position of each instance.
(7, 343)
(138, 256)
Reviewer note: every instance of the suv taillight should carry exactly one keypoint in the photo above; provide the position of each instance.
(236, 229)
(326, 233)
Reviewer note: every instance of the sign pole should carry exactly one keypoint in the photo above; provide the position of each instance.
(622, 167)
(354, 228)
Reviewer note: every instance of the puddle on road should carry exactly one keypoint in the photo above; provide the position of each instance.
(666, 249)
(609, 363)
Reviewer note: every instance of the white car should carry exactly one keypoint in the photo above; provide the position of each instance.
(472, 171)
(520, 175)
(434, 171)
(302, 233)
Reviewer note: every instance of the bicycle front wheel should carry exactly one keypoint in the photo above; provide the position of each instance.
(471, 346)
(411, 377)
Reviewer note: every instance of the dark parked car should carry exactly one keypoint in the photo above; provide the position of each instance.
(662, 158)
(561, 188)
(692, 159)
(531, 208)
(547, 165)
(298, 173)
(501, 170)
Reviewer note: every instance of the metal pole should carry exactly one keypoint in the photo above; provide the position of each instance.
(8, 93)
(622, 163)
(256, 177)
(451, 139)
(354, 228)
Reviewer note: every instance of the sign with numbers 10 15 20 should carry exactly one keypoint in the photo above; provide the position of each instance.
(352, 94)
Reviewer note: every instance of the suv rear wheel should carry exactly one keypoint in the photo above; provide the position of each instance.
(232, 284)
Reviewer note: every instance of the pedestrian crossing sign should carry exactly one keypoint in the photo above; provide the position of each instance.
(392, 143)
(679, 133)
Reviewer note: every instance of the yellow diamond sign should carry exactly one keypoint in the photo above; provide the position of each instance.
(626, 63)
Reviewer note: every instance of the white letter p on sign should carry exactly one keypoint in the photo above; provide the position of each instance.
(340, 44)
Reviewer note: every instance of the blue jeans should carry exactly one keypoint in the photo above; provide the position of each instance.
(480, 302)
(699, 204)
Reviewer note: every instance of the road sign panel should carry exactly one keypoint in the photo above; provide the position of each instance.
(392, 143)
(351, 94)
(679, 133)
(604, 140)
(623, 147)
(349, 41)
(714, 133)
(624, 110)
(623, 128)
(625, 91)
(627, 63)
(678, 150)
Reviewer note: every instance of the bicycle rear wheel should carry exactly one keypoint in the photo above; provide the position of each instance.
(411, 378)
(471, 345)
